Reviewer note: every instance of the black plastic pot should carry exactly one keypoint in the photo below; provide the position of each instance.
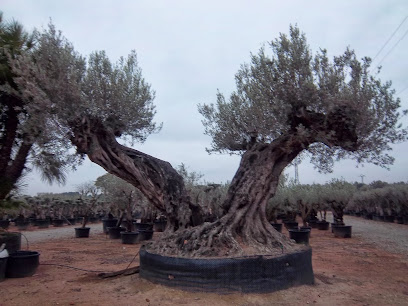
(41, 223)
(300, 235)
(307, 228)
(335, 224)
(3, 266)
(257, 274)
(389, 219)
(291, 225)
(129, 237)
(159, 226)
(114, 232)
(22, 264)
(12, 241)
(108, 223)
(342, 231)
(144, 234)
(82, 232)
(312, 223)
(22, 225)
(399, 219)
(378, 218)
(58, 222)
(4, 224)
(323, 225)
(277, 226)
(144, 226)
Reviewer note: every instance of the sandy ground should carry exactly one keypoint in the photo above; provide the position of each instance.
(368, 269)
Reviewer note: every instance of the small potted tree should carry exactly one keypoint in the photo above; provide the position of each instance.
(337, 194)
(57, 207)
(89, 195)
(12, 240)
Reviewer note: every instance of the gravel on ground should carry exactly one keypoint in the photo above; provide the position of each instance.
(388, 236)
(56, 233)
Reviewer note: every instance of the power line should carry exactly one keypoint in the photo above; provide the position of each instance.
(393, 47)
(402, 90)
(392, 35)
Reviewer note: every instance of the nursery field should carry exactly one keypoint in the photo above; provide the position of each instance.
(371, 268)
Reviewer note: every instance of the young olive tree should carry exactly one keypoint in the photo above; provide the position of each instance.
(89, 195)
(338, 193)
(123, 195)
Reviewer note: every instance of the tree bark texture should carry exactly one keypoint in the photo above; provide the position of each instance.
(156, 179)
(11, 168)
(244, 228)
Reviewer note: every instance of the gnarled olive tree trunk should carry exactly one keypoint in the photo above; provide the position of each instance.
(244, 228)
(156, 179)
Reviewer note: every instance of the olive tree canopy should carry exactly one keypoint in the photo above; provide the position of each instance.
(48, 91)
(337, 108)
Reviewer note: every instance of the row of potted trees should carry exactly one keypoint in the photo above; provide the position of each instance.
(311, 203)
(387, 203)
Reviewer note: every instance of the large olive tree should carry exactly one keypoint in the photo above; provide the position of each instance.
(286, 102)
(90, 103)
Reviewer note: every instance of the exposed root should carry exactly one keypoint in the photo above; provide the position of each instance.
(223, 238)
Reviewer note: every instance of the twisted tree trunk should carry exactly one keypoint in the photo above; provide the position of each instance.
(11, 165)
(244, 228)
(156, 179)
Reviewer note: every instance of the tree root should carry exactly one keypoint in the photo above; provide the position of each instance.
(224, 238)
(128, 271)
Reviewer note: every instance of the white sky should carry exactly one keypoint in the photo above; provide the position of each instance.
(189, 49)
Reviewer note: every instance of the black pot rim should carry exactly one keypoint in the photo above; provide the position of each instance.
(299, 230)
(129, 233)
(23, 253)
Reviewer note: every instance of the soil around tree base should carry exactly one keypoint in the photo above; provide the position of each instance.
(249, 274)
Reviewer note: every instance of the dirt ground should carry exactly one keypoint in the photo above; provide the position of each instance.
(347, 272)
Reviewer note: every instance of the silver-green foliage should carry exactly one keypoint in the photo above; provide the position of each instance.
(62, 90)
(277, 89)
(389, 200)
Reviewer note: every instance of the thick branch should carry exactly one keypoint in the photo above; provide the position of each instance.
(156, 179)
(9, 134)
(14, 169)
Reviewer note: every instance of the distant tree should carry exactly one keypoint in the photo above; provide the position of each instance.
(285, 103)
(124, 196)
(338, 193)
(89, 195)
(377, 184)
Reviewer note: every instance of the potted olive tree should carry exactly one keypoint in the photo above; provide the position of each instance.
(126, 198)
(337, 194)
(89, 195)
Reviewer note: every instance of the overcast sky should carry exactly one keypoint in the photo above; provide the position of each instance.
(189, 49)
